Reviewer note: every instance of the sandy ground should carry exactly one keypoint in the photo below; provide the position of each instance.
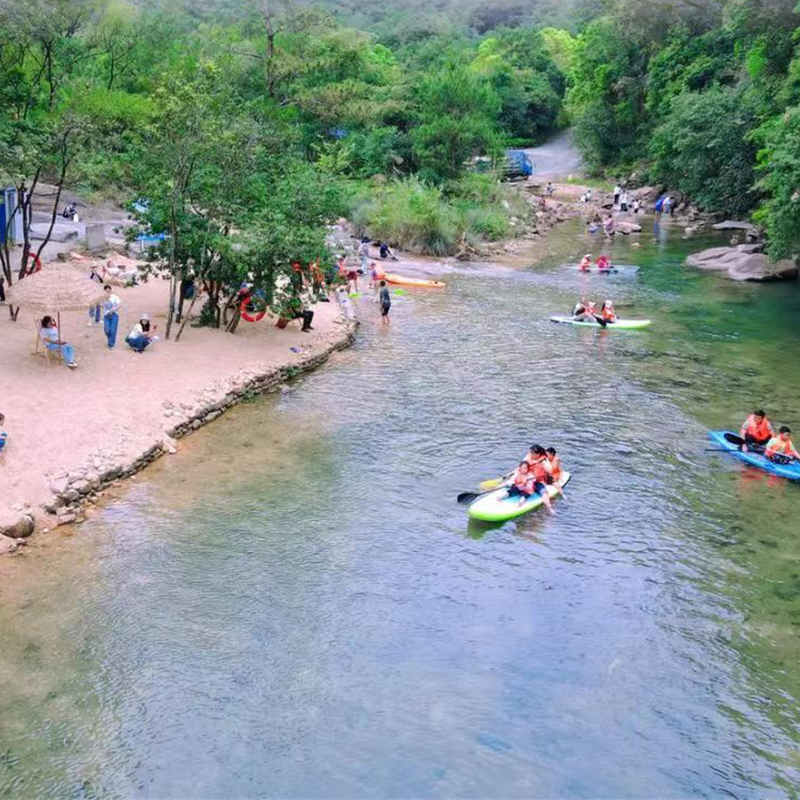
(59, 420)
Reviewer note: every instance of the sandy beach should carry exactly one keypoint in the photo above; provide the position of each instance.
(118, 404)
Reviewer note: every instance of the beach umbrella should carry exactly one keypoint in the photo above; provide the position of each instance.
(56, 288)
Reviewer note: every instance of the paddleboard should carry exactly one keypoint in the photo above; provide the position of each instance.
(615, 269)
(620, 324)
(403, 280)
(497, 506)
(789, 471)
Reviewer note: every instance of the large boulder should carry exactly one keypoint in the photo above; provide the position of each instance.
(647, 195)
(758, 267)
(736, 225)
(626, 228)
(743, 263)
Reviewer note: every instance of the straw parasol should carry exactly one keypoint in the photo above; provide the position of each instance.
(56, 288)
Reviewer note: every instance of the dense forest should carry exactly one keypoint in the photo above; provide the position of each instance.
(246, 126)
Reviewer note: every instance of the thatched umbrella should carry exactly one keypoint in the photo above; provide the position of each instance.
(56, 288)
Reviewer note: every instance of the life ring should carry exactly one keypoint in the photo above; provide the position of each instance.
(246, 314)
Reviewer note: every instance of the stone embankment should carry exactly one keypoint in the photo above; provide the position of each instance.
(73, 493)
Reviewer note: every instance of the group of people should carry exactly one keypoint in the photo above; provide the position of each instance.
(664, 205)
(586, 311)
(141, 336)
(603, 264)
(348, 277)
(539, 469)
(759, 435)
(622, 200)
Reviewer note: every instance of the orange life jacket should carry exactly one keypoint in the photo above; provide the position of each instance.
(555, 468)
(783, 446)
(759, 430)
(538, 470)
(608, 315)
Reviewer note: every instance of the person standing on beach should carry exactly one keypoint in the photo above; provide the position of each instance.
(385, 301)
(3, 434)
(111, 309)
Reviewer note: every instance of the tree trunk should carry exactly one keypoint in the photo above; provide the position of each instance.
(187, 317)
(56, 202)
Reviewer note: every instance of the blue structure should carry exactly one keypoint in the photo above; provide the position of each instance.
(7, 207)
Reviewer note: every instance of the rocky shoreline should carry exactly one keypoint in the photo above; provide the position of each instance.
(74, 493)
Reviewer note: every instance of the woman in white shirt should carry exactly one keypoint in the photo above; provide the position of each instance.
(141, 335)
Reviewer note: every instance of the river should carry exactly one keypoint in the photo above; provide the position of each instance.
(295, 606)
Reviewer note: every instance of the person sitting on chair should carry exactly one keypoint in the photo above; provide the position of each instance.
(53, 342)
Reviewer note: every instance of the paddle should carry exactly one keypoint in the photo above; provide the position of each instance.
(493, 483)
(465, 498)
(734, 439)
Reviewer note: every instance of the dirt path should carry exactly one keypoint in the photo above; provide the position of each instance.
(556, 158)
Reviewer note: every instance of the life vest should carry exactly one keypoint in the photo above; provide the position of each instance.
(539, 471)
(609, 315)
(585, 263)
(591, 308)
(521, 481)
(758, 430)
(602, 263)
(781, 446)
(555, 468)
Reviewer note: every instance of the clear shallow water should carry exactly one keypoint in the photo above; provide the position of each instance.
(294, 606)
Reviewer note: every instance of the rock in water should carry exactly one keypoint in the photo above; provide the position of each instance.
(757, 267)
(743, 263)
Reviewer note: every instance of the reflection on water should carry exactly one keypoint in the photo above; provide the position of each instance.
(294, 605)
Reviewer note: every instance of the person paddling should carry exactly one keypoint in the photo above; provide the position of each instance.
(603, 264)
(541, 471)
(522, 483)
(780, 448)
(586, 263)
(607, 312)
(586, 311)
(756, 430)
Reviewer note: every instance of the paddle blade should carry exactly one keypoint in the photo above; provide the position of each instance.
(487, 486)
(465, 498)
(734, 439)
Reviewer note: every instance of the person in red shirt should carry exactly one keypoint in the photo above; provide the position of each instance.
(756, 430)
(603, 263)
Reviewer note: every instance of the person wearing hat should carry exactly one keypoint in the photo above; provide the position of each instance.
(141, 335)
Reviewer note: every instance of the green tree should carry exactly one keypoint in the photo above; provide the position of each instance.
(779, 166)
(458, 114)
(705, 150)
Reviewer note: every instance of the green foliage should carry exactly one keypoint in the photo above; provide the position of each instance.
(437, 220)
(703, 148)
(410, 214)
(779, 165)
